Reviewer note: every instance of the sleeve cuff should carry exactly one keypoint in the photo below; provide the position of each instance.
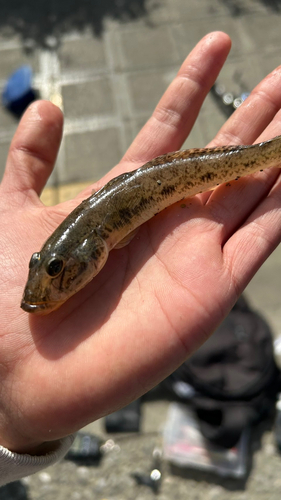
(14, 466)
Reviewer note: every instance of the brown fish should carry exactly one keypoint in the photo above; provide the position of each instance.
(79, 247)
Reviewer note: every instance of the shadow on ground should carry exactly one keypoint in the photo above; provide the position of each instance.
(37, 20)
(239, 8)
(14, 491)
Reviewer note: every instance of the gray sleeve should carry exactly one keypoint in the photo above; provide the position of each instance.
(14, 466)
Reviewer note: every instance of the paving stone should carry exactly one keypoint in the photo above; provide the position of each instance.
(195, 138)
(210, 106)
(241, 75)
(7, 121)
(82, 54)
(146, 89)
(12, 59)
(58, 194)
(264, 31)
(91, 154)
(246, 7)
(129, 132)
(269, 62)
(210, 124)
(148, 48)
(4, 148)
(196, 10)
(89, 98)
(9, 36)
(160, 12)
(156, 13)
(187, 34)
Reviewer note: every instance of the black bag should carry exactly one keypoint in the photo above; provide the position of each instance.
(233, 376)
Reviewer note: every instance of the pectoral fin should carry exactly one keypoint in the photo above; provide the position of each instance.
(127, 239)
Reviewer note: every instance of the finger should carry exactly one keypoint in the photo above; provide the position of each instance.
(235, 201)
(273, 129)
(33, 150)
(258, 115)
(250, 246)
(250, 119)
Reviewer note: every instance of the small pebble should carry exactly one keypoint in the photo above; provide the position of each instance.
(155, 475)
(83, 474)
(45, 477)
(26, 480)
(269, 449)
(76, 495)
(51, 42)
(215, 492)
(108, 445)
(157, 453)
(100, 484)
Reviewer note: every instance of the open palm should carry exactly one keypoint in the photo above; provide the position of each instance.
(157, 299)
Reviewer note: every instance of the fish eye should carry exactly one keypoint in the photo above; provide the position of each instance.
(34, 258)
(55, 266)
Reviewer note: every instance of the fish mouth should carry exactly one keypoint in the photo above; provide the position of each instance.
(40, 308)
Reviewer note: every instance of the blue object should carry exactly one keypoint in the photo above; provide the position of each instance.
(18, 92)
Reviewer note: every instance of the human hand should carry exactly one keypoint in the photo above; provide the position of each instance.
(157, 299)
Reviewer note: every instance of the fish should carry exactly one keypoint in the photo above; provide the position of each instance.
(78, 249)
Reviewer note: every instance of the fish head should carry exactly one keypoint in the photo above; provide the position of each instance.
(59, 271)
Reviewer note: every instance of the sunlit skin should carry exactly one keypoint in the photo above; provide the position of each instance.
(157, 299)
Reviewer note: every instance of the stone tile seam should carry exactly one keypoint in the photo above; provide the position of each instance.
(119, 91)
(122, 91)
(81, 125)
(49, 89)
(18, 44)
